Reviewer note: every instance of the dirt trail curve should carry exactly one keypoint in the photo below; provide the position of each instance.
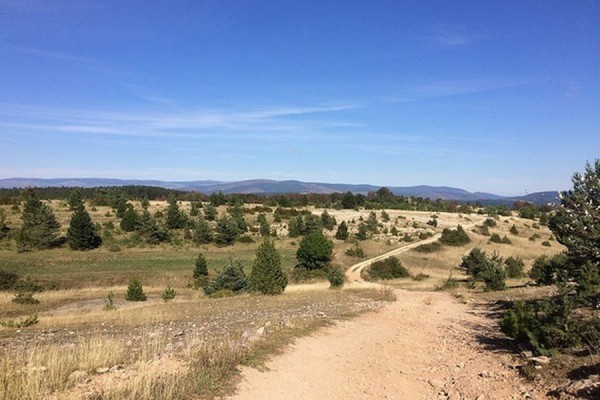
(353, 273)
(425, 346)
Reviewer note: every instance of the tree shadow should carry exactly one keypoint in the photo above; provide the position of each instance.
(584, 371)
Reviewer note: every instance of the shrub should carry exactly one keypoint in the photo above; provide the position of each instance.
(474, 263)
(493, 275)
(541, 324)
(232, 277)
(544, 270)
(514, 267)
(455, 237)
(22, 323)
(489, 222)
(425, 235)
(336, 277)
(168, 294)
(449, 284)
(245, 239)
(299, 275)
(495, 238)
(420, 277)
(28, 285)
(267, 276)
(342, 231)
(8, 280)
(514, 230)
(135, 292)
(428, 247)
(109, 301)
(25, 298)
(546, 243)
(390, 268)
(356, 251)
(482, 230)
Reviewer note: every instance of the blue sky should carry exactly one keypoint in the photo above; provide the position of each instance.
(496, 96)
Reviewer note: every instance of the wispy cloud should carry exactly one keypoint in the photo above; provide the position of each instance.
(449, 36)
(260, 123)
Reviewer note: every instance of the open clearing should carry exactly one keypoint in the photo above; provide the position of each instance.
(426, 345)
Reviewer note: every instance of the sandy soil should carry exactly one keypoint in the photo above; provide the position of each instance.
(424, 346)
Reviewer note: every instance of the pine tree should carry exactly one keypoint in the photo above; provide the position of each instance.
(232, 277)
(176, 219)
(203, 233)
(227, 231)
(263, 226)
(267, 276)
(130, 220)
(315, 251)
(210, 212)
(81, 234)
(75, 200)
(342, 231)
(39, 229)
(201, 267)
(135, 292)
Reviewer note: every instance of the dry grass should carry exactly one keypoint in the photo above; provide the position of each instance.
(191, 346)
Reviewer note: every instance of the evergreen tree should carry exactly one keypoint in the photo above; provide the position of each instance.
(576, 225)
(237, 214)
(227, 231)
(201, 267)
(232, 277)
(81, 234)
(176, 219)
(362, 231)
(327, 221)
(150, 231)
(372, 222)
(315, 251)
(39, 229)
(135, 292)
(342, 231)
(130, 220)
(203, 233)
(210, 212)
(145, 203)
(263, 226)
(267, 276)
(75, 200)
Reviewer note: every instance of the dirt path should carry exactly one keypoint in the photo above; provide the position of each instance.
(427, 346)
(424, 346)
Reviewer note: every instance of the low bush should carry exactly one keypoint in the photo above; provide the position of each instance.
(514, 230)
(455, 237)
(514, 267)
(356, 251)
(425, 235)
(336, 277)
(28, 285)
(25, 298)
(168, 294)
(495, 238)
(428, 247)
(20, 323)
(245, 239)
(489, 222)
(232, 277)
(8, 280)
(544, 270)
(390, 268)
(300, 275)
(420, 277)
(109, 301)
(449, 284)
(546, 243)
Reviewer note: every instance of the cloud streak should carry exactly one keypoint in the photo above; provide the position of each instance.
(269, 121)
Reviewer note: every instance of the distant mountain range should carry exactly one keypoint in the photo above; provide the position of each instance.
(267, 186)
